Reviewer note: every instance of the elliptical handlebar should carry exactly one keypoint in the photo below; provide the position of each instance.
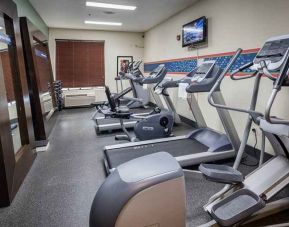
(266, 71)
(220, 79)
(279, 81)
(283, 75)
(133, 73)
(130, 66)
(242, 68)
(137, 65)
(218, 84)
(121, 74)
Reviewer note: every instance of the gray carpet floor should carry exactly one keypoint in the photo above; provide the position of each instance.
(60, 187)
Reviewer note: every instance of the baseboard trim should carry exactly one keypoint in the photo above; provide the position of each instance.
(79, 107)
(41, 146)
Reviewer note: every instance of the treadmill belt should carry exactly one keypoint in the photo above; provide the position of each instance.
(176, 148)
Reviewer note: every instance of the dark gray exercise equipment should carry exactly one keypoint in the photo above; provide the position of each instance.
(158, 124)
(240, 199)
(235, 203)
(146, 191)
(222, 174)
(122, 190)
(140, 97)
(152, 81)
(201, 145)
(241, 203)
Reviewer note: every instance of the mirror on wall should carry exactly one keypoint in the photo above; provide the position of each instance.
(43, 71)
(5, 70)
(40, 79)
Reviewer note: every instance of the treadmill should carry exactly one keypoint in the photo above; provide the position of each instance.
(152, 82)
(200, 145)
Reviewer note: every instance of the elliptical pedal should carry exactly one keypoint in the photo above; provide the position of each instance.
(240, 204)
(237, 207)
(221, 174)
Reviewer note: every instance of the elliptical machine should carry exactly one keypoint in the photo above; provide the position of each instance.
(250, 194)
(140, 96)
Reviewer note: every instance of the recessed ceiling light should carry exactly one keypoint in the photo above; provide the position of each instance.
(103, 23)
(110, 6)
(108, 12)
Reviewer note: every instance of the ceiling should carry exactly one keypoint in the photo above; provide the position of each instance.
(73, 13)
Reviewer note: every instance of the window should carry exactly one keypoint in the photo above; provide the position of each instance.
(80, 63)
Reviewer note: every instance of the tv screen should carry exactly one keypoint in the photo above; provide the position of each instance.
(195, 32)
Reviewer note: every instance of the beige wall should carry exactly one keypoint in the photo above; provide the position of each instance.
(25, 9)
(231, 24)
(116, 44)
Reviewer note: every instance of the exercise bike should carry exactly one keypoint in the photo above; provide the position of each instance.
(157, 124)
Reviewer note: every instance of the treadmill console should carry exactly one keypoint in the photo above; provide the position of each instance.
(203, 71)
(272, 53)
(204, 77)
(156, 71)
(156, 76)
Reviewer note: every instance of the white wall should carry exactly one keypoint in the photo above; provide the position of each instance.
(231, 24)
(116, 44)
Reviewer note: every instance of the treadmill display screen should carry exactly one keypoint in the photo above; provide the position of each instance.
(156, 72)
(204, 68)
(274, 49)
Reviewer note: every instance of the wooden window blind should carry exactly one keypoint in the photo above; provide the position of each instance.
(80, 63)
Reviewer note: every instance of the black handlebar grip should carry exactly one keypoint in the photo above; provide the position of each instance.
(242, 68)
(283, 72)
(170, 84)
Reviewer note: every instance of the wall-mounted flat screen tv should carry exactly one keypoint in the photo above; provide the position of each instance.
(195, 32)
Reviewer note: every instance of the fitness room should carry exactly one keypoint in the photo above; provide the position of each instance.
(134, 113)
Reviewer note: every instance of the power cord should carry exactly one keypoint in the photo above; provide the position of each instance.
(245, 159)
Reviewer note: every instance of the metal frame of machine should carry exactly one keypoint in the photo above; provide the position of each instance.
(162, 100)
(272, 176)
(194, 156)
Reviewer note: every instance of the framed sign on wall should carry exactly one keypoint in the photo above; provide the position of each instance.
(123, 63)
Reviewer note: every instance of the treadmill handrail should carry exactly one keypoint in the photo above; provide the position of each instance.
(277, 87)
